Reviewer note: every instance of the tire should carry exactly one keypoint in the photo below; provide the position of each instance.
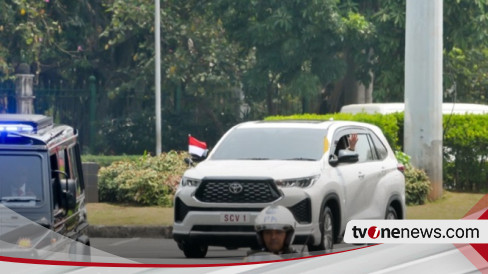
(391, 214)
(326, 223)
(79, 252)
(194, 250)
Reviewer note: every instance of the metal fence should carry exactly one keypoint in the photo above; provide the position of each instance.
(69, 105)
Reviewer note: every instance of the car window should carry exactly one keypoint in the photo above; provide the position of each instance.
(381, 150)
(21, 180)
(271, 144)
(363, 148)
(342, 143)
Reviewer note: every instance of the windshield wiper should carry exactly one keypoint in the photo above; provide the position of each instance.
(300, 159)
(255, 158)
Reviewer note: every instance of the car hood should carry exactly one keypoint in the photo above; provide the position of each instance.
(276, 169)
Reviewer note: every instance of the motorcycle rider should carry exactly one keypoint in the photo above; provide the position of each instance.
(275, 230)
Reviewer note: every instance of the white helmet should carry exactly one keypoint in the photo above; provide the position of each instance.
(275, 217)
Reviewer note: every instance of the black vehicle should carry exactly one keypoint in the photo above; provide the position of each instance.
(42, 196)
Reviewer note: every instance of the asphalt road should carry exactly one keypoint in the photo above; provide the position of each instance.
(165, 251)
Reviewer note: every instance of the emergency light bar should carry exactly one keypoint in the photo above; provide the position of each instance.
(16, 128)
(24, 123)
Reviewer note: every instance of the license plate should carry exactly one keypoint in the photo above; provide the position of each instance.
(234, 218)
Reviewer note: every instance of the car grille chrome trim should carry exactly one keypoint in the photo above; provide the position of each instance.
(253, 191)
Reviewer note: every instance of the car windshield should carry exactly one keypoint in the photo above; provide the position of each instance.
(272, 144)
(20, 180)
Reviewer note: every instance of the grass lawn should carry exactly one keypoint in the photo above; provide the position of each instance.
(114, 214)
(451, 206)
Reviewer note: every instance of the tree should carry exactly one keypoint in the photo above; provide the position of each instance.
(465, 49)
(303, 48)
(356, 47)
(53, 37)
(201, 68)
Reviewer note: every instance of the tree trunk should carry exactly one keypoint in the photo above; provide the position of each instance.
(349, 90)
(269, 100)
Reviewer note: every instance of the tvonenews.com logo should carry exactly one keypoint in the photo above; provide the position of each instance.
(417, 231)
(373, 232)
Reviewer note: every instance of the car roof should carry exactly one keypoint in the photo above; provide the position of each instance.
(42, 129)
(317, 124)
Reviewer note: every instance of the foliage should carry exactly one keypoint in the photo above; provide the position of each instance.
(465, 76)
(226, 61)
(106, 160)
(145, 181)
(56, 38)
(301, 47)
(200, 73)
(417, 186)
(417, 183)
(402, 157)
(465, 152)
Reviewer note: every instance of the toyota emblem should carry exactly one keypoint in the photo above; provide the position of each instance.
(235, 188)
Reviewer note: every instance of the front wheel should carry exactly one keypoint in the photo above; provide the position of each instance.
(192, 250)
(326, 230)
(391, 214)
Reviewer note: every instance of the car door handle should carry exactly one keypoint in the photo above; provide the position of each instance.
(361, 175)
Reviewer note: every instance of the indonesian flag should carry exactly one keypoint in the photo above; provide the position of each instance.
(196, 147)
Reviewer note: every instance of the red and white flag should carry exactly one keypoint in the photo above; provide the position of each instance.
(196, 147)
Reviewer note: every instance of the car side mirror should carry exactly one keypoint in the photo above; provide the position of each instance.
(196, 158)
(188, 161)
(347, 156)
(68, 191)
(333, 160)
(69, 200)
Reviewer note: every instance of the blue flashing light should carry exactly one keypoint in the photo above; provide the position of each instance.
(16, 128)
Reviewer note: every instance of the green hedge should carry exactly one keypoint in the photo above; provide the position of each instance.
(146, 180)
(106, 160)
(466, 152)
(465, 144)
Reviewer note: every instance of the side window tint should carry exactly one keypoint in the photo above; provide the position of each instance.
(380, 147)
(363, 148)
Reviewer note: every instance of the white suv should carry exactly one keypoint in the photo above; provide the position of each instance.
(302, 165)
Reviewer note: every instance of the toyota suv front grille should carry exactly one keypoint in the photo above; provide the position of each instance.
(237, 191)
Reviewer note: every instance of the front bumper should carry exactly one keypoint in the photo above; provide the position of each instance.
(204, 224)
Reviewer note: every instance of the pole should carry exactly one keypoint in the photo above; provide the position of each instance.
(24, 93)
(423, 89)
(93, 106)
(157, 61)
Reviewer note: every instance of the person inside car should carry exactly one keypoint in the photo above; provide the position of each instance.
(347, 142)
(21, 187)
(352, 139)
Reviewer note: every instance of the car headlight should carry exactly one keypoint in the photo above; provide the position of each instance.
(298, 182)
(185, 181)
